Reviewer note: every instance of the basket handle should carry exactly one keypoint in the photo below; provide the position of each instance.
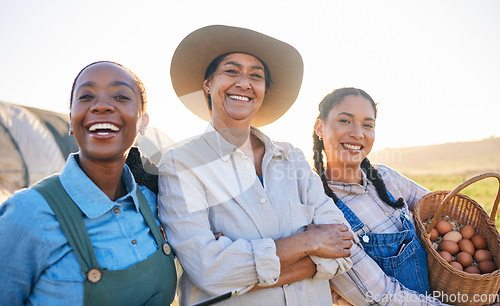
(460, 187)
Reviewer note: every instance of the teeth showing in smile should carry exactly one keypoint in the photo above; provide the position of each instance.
(241, 98)
(351, 147)
(103, 126)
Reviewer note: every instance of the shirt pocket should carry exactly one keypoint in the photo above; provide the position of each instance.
(68, 267)
(302, 215)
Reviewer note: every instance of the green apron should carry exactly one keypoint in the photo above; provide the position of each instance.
(149, 282)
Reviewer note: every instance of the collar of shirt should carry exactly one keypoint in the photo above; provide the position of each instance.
(91, 200)
(224, 148)
(351, 187)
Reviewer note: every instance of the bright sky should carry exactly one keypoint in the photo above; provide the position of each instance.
(434, 66)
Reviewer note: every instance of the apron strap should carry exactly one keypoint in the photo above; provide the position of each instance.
(70, 219)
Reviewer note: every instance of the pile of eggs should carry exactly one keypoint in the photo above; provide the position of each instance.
(463, 249)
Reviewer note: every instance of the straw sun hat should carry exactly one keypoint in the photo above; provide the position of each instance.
(198, 49)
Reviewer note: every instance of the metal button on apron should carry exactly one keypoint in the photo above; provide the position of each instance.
(166, 249)
(94, 276)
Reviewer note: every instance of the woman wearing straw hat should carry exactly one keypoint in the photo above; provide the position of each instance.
(278, 237)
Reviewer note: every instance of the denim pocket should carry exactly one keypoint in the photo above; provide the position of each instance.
(409, 267)
(400, 254)
(66, 269)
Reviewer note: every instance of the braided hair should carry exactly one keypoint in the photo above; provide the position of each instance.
(144, 174)
(330, 101)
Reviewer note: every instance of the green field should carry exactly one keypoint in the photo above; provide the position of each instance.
(483, 192)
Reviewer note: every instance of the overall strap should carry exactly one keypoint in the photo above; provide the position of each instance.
(391, 197)
(148, 216)
(357, 226)
(70, 219)
(350, 216)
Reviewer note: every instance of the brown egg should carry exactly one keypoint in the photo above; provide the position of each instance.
(466, 245)
(487, 266)
(452, 236)
(446, 255)
(472, 269)
(434, 235)
(449, 246)
(479, 242)
(464, 258)
(456, 265)
(468, 231)
(443, 227)
(482, 255)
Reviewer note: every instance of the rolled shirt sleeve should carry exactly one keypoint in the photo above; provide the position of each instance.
(327, 268)
(267, 263)
(326, 212)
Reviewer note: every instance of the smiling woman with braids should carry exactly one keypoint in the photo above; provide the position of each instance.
(376, 201)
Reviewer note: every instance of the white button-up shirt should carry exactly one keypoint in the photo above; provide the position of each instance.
(206, 187)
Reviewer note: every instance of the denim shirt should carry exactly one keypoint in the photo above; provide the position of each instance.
(39, 267)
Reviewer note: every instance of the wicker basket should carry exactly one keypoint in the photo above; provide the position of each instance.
(447, 283)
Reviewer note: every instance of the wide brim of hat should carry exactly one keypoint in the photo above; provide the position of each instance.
(198, 49)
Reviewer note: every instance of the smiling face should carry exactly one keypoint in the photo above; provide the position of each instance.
(348, 132)
(236, 89)
(106, 112)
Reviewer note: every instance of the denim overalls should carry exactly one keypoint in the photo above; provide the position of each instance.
(399, 254)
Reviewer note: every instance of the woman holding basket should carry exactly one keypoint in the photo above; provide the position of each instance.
(376, 200)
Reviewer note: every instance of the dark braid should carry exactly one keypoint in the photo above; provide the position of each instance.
(374, 176)
(144, 174)
(330, 101)
(318, 166)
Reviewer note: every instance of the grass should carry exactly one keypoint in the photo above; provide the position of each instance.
(483, 192)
